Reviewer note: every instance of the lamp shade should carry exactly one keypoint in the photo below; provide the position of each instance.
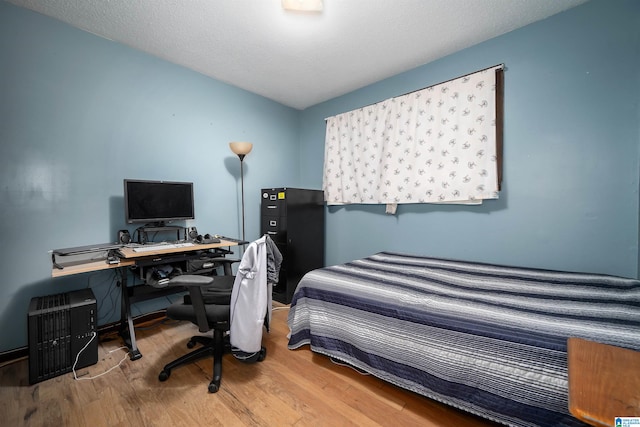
(302, 5)
(241, 148)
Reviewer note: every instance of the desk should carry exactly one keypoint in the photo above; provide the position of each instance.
(604, 382)
(131, 259)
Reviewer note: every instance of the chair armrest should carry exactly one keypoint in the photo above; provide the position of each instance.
(191, 280)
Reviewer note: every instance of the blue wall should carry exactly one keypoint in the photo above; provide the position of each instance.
(570, 190)
(78, 114)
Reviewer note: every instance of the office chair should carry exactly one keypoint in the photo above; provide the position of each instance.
(208, 305)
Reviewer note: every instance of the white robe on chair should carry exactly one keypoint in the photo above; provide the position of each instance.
(250, 299)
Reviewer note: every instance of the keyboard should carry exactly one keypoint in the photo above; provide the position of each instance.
(150, 248)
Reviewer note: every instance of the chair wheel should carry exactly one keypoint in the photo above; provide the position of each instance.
(263, 354)
(213, 388)
(191, 344)
(164, 375)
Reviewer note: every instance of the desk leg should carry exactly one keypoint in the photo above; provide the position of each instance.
(129, 336)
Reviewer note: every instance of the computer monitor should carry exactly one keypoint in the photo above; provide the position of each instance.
(157, 202)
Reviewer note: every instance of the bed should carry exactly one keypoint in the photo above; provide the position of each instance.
(487, 339)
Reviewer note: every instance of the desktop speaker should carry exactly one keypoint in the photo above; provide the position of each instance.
(124, 237)
(207, 238)
(193, 233)
(61, 329)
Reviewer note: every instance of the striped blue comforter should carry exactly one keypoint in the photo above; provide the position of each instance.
(484, 338)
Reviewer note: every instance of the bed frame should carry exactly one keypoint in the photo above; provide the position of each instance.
(487, 339)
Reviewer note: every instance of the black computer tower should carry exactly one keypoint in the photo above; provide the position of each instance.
(294, 218)
(59, 327)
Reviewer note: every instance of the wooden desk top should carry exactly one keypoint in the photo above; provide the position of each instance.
(129, 253)
(87, 267)
(604, 382)
(128, 258)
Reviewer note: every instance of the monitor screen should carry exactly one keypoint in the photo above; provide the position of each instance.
(157, 202)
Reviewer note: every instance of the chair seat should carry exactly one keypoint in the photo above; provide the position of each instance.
(215, 313)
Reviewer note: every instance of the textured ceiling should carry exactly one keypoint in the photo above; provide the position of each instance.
(299, 59)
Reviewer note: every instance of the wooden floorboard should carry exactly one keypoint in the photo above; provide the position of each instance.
(290, 388)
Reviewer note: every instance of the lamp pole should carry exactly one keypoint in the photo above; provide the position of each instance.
(242, 189)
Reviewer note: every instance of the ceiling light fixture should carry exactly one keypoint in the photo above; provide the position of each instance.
(302, 5)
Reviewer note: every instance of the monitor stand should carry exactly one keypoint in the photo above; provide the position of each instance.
(143, 236)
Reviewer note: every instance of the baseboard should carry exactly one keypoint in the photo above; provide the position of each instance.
(23, 352)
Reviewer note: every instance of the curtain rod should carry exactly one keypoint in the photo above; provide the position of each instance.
(497, 67)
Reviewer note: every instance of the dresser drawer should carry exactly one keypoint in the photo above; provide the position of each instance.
(275, 227)
(273, 203)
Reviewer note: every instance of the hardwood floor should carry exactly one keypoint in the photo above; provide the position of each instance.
(290, 388)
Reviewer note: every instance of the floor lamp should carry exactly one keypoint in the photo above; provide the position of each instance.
(241, 149)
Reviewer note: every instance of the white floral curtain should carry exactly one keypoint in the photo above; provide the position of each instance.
(435, 145)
